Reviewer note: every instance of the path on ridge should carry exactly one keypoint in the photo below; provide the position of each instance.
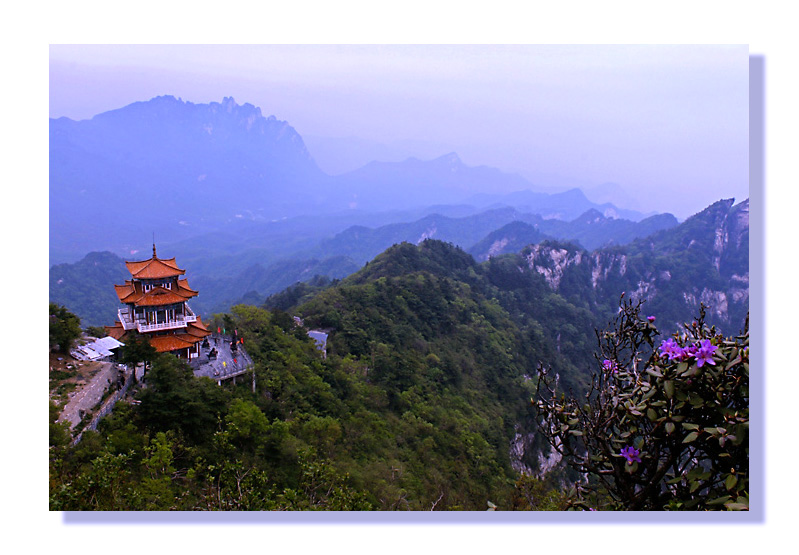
(89, 395)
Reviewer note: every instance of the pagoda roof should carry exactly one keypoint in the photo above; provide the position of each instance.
(154, 268)
(116, 331)
(183, 285)
(193, 333)
(197, 329)
(166, 343)
(133, 293)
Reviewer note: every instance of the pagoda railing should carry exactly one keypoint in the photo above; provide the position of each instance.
(126, 319)
(178, 323)
(189, 316)
(130, 322)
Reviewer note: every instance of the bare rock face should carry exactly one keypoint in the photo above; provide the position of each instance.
(429, 233)
(523, 444)
(603, 264)
(704, 260)
(551, 262)
(497, 246)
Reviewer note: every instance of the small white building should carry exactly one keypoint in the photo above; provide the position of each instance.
(96, 350)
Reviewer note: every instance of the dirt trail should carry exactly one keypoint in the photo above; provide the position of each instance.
(89, 395)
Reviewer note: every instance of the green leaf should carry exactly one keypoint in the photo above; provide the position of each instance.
(733, 363)
(730, 482)
(692, 371)
(690, 437)
(631, 468)
(668, 387)
(719, 501)
(669, 427)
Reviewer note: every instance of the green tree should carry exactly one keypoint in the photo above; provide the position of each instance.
(96, 331)
(662, 428)
(175, 399)
(156, 484)
(137, 349)
(322, 488)
(64, 328)
(59, 431)
(247, 426)
(533, 494)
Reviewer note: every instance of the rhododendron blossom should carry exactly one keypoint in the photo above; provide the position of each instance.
(631, 454)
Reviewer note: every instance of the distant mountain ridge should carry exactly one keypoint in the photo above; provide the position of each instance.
(178, 169)
(482, 232)
(173, 167)
(443, 180)
(704, 259)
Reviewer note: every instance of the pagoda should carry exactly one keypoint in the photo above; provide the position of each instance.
(156, 306)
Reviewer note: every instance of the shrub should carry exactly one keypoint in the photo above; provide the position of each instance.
(662, 428)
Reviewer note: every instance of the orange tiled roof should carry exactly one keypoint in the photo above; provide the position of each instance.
(132, 292)
(188, 338)
(166, 343)
(199, 323)
(159, 296)
(154, 268)
(116, 331)
(183, 287)
(124, 292)
(196, 330)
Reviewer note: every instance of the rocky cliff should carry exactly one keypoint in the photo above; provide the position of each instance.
(703, 260)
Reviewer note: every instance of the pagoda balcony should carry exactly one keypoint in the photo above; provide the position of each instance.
(129, 321)
(126, 319)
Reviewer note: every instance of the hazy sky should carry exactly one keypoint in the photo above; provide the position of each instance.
(669, 124)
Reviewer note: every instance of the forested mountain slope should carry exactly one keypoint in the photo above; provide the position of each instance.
(424, 398)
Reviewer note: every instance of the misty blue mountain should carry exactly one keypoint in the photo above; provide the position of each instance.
(179, 170)
(238, 197)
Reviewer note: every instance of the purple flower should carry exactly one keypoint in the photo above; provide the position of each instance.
(610, 365)
(631, 454)
(690, 350)
(650, 318)
(671, 349)
(705, 352)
